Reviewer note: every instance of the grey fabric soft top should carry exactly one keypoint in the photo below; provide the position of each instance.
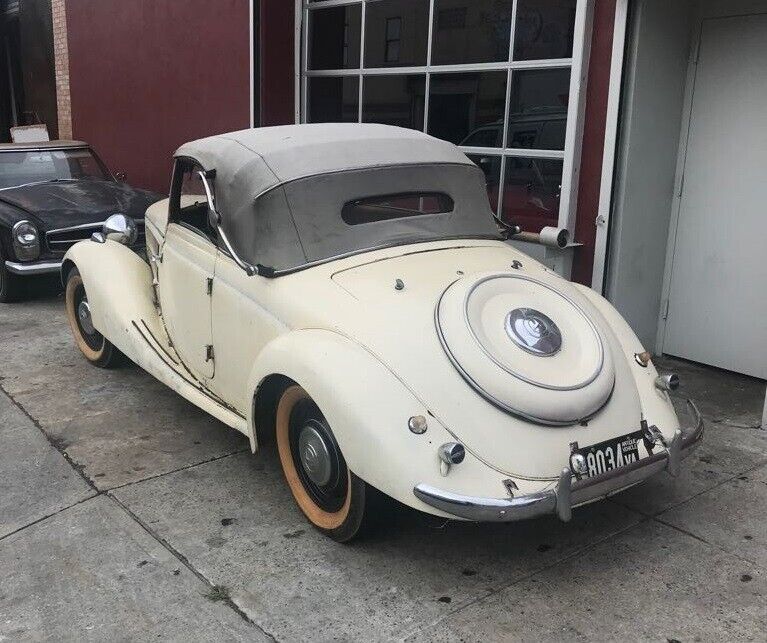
(280, 190)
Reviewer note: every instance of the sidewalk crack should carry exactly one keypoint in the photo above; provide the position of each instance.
(50, 515)
(186, 562)
(184, 468)
(79, 468)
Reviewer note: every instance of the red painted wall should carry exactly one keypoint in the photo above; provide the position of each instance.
(276, 35)
(593, 139)
(148, 75)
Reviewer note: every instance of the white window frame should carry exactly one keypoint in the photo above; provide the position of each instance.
(578, 65)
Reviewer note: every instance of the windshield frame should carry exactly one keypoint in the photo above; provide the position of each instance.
(106, 175)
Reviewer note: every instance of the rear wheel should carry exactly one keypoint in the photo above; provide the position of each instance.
(330, 495)
(96, 348)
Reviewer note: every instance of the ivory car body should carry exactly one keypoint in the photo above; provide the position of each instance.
(345, 291)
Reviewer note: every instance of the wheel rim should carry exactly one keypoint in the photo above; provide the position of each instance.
(315, 455)
(317, 458)
(81, 316)
(84, 316)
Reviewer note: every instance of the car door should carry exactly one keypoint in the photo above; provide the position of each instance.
(187, 269)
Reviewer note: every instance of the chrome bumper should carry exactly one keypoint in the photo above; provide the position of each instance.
(568, 493)
(33, 268)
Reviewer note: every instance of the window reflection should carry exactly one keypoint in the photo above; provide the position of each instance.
(538, 109)
(394, 100)
(544, 29)
(531, 192)
(467, 109)
(395, 33)
(334, 37)
(333, 100)
(471, 31)
(491, 167)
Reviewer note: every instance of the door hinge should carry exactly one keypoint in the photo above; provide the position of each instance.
(209, 356)
(664, 308)
(210, 286)
(681, 185)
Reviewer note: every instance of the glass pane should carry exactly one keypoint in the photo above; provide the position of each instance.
(334, 37)
(531, 191)
(544, 29)
(394, 100)
(467, 109)
(471, 32)
(395, 33)
(538, 109)
(396, 206)
(333, 100)
(491, 167)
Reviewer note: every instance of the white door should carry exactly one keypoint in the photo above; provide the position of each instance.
(188, 262)
(717, 312)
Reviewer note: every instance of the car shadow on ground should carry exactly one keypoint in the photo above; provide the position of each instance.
(39, 288)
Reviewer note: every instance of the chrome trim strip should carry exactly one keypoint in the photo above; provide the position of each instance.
(567, 493)
(85, 226)
(39, 268)
(24, 185)
(249, 269)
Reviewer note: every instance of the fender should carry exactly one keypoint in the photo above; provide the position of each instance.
(368, 409)
(656, 404)
(119, 287)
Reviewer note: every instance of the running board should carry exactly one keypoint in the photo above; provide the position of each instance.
(162, 361)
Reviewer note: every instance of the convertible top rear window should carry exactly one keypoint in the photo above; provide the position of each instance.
(395, 206)
(325, 216)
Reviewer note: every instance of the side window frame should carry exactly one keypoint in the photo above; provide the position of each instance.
(180, 166)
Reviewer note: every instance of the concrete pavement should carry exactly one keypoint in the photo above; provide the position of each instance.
(127, 514)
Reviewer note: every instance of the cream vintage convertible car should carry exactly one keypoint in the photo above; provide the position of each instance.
(347, 291)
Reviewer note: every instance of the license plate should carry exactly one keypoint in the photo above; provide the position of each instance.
(611, 454)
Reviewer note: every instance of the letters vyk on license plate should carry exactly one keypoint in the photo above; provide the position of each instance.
(611, 454)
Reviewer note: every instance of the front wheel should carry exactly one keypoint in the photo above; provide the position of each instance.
(332, 498)
(96, 348)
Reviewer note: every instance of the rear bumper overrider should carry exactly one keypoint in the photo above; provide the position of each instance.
(568, 492)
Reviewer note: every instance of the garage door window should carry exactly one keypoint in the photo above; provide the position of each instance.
(499, 78)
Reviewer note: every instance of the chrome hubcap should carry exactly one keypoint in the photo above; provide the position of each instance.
(314, 455)
(84, 315)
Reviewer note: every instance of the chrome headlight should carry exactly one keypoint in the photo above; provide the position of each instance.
(121, 229)
(26, 241)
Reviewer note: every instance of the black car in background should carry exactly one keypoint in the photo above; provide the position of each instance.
(52, 195)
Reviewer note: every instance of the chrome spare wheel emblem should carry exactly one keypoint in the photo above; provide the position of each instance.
(84, 313)
(314, 454)
(533, 331)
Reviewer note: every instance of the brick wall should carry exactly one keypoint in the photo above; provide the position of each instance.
(61, 54)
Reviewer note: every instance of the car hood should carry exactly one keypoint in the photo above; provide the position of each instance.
(442, 329)
(69, 203)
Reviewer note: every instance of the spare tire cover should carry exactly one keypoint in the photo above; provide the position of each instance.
(526, 346)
